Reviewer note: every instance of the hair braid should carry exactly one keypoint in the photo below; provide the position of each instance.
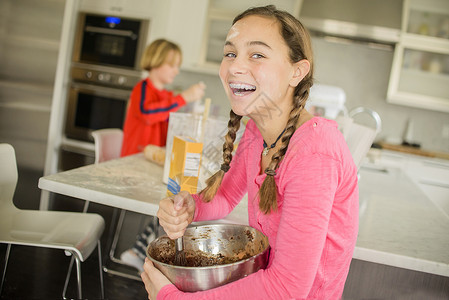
(268, 189)
(214, 182)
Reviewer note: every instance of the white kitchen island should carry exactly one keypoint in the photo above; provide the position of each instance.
(131, 183)
(399, 226)
(402, 249)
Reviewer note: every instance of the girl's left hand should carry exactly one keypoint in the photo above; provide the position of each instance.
(153, 279)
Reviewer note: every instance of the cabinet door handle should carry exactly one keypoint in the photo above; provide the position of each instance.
(434, 183)
(436, 164)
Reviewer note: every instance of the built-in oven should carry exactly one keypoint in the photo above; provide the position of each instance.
(89, 107)
(93, 107)
(104, 69)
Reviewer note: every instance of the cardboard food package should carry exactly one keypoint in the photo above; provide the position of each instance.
(184, 165)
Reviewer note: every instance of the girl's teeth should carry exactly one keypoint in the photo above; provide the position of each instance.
(241, 86)
(240, 89)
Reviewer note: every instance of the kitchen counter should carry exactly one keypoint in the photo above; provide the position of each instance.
(399, 225)
(413, 150)
(131, 183)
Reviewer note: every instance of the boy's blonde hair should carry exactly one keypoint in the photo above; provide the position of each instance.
(157, 52)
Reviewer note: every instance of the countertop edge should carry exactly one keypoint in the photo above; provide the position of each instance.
(85, 194)
(400, 261)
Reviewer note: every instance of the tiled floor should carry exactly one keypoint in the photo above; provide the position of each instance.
(38, 273)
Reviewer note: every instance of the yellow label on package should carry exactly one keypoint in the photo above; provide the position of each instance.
(184, 165)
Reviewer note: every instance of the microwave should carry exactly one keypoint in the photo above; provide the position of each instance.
(109, 40)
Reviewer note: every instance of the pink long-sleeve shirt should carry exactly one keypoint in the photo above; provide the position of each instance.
(313, 232)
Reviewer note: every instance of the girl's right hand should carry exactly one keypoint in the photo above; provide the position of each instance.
(176, 213)
(194, 93)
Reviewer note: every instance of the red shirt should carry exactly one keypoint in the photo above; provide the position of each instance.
(147, 117)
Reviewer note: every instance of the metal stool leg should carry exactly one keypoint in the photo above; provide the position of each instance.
(118, 229)
(78, 277)
(86, 206)
(67, 278)
(100, 264)
(8, 250)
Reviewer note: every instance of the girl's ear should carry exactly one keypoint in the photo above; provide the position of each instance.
(300, 70)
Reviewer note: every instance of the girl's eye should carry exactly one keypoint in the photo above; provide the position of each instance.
(257, 55)
(230, 54)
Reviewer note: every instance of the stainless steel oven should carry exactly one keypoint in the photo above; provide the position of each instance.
(109, 40)
(93, 107)
(104, 69)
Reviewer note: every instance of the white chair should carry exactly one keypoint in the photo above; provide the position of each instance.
(359, 137)
(76, 233)
(108, 144)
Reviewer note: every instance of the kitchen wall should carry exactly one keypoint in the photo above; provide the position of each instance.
(363, 72)
(29, 38)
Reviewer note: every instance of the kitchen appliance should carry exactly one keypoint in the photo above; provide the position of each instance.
(358, 135)
(326, 101)
(104, 69)
(93, 107)
(109, 40)
(243, 249)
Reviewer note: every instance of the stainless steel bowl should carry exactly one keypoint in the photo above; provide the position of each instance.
(227, 241)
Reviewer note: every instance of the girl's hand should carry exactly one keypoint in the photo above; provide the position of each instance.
(176, 213)
(194, 93)
(153, 279)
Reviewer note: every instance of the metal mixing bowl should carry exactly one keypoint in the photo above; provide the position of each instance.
(227, 241)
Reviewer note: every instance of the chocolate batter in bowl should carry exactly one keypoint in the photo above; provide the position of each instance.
(216, 254)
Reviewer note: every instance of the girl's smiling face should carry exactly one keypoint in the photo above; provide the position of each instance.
(256, 70)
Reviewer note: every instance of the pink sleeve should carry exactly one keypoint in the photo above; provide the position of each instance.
(308, 188)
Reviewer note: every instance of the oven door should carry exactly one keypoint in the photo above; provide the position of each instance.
(111, 41)
(92, 107)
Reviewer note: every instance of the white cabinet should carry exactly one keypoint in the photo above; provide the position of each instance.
(420, 71)
(186, 26)
(431, 175)
(125, 8)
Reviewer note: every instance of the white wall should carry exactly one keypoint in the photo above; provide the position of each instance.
(363, 72)
(29, 37)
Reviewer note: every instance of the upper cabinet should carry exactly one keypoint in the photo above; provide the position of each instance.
(420, 71)
(217, 21)
(186, 24)
(128, 8)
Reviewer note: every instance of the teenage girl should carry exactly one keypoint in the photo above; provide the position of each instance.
(296, 168)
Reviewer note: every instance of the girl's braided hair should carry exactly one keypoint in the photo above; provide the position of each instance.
(298, 40)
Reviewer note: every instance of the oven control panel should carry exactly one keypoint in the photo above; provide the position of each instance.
(109, 77)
